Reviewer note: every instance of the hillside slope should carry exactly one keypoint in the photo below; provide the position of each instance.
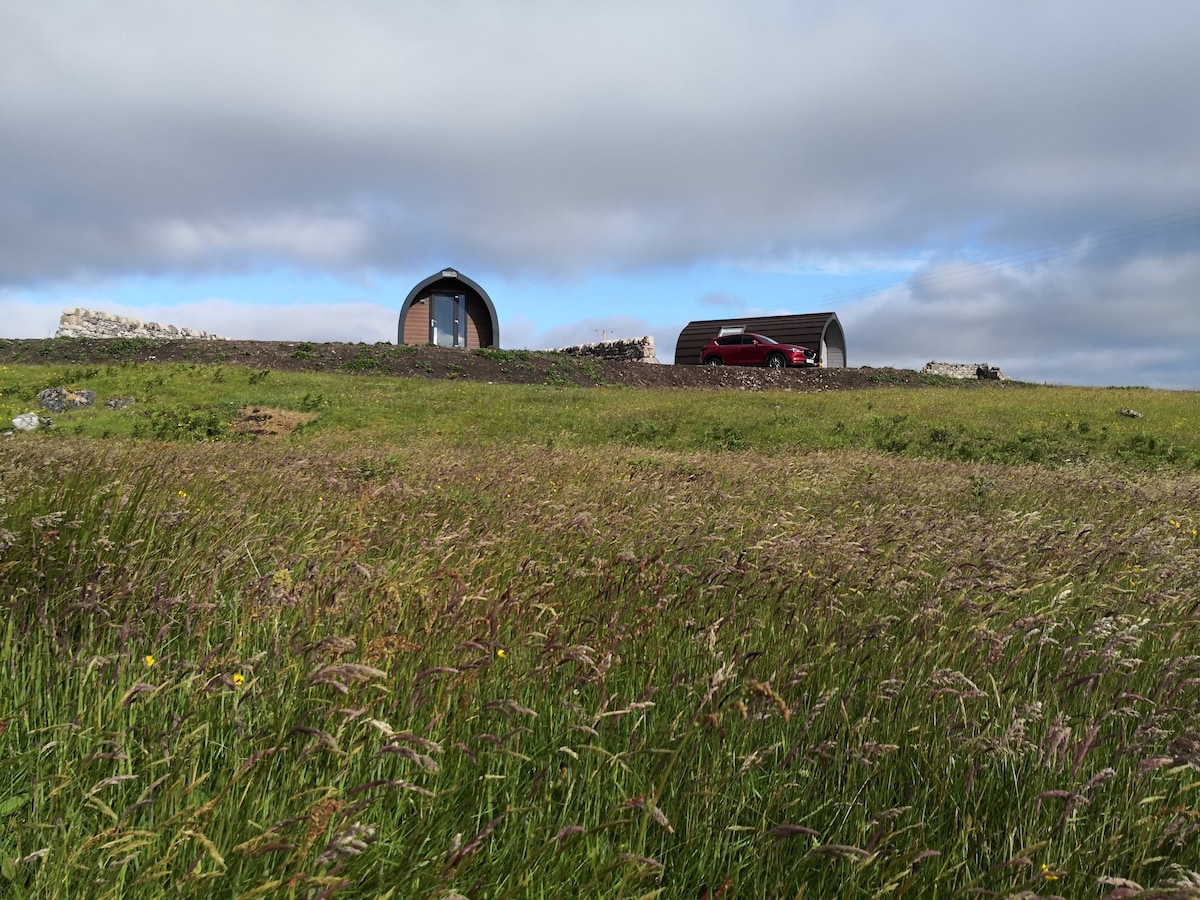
(490, 365)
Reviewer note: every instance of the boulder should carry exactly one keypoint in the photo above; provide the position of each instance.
(26, 422)
(61, 399)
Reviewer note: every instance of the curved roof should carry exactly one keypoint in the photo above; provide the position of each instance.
(450, 275)
(821, 332)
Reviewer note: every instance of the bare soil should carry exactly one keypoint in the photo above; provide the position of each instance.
(495, 366)
(267, 421)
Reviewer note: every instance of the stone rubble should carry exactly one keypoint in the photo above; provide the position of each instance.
(628, 350)
(86, 323)
(964, 370)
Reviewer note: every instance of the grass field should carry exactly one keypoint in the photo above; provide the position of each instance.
(482, 641)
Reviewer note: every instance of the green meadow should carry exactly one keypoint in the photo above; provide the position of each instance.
(464, 640)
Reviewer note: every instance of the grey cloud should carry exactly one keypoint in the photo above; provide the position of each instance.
(1074, 321)
(559, 138)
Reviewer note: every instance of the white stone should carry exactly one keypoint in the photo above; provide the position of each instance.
(26, 422)
(87, 323)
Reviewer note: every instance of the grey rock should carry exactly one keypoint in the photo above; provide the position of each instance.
(87, 323)
(26, 422)
(61, 399)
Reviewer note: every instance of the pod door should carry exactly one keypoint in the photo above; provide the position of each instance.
(448, 320)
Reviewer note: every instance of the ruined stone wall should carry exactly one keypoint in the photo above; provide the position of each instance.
(630, 350)
(963, 370)
(87, 323)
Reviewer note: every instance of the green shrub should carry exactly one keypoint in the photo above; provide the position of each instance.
(175, 424)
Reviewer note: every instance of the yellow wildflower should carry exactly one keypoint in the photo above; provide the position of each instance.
(238, 679)
(501, 653)
(1047, 874)
(149, 660)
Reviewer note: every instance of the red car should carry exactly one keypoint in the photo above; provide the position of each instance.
(755, 350)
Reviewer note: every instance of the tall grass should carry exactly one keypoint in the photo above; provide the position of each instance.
(387, 662)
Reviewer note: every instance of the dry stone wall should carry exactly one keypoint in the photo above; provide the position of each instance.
(87, 323)
(630, 350)
(964, 370)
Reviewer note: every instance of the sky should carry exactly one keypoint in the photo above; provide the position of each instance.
(1012, 183)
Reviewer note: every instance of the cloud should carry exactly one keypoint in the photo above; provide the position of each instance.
(161, 136)
(26, 319)
(313, 241)
(1090, 320)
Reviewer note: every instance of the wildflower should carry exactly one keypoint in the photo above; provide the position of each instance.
(238, 679)
(502, 653)
(149, 660)
(182, 495)
(1047, 874)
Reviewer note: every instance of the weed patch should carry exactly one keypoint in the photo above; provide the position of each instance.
(649, 433)
(497, 355)
(174, 424)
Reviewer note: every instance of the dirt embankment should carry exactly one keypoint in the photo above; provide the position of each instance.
(490, 365)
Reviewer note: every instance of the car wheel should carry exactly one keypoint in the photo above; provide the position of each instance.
(776, 361)
(714, 361)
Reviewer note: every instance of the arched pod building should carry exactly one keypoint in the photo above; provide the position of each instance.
(450, 310)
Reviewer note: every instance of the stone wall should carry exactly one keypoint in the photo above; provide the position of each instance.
(87, 323)
(964, 370)
(630, 350)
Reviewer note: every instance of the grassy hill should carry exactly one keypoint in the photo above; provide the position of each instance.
(303, 634)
